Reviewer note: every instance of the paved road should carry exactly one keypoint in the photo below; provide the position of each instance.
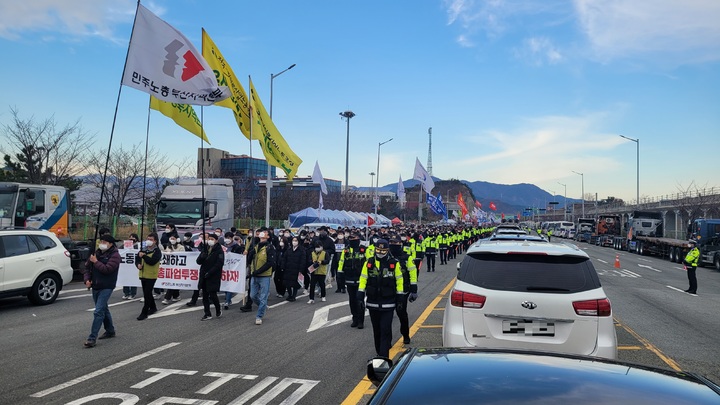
(305, 354)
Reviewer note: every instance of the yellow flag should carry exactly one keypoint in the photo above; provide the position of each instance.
(238, 100)
(276, 150)
(183, 115)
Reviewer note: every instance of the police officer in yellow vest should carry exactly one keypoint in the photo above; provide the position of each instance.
(381, 281)
(691, 262)
(409, 272)
(350, 266)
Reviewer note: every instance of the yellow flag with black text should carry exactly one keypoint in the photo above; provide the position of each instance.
(238, 100)
(276, 150)
(183, 115)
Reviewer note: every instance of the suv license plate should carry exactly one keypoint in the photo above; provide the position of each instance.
(528, 328)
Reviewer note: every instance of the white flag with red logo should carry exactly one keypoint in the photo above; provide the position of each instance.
(162, 62)
(370, 220)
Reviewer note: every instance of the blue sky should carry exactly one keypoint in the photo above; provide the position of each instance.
(515, 91)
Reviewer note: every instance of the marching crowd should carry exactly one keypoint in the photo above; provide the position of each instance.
(377, 269)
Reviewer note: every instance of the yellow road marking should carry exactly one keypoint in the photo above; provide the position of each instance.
(365, 387)
(667, 360)
(629, 348)
(430, 326)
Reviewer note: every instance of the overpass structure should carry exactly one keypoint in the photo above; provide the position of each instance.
(678, 210)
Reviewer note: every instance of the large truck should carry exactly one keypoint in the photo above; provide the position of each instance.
(37, 206)
(607, 227)
(585, 230)
(645, 237)
(182, 205)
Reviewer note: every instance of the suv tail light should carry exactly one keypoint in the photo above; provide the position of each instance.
(67, 254)
(466, 300)
(592, 307)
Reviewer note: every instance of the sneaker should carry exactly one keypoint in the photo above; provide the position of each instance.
(226, 306)
(311, 301)
(258, 321)
(191, 304)
(176, 299)
(279, 296)
(218, 314)
(142, 317)
(132, 297)
(165, 302)
(142, 299)
(406, 340)
(157, 296)
(206, 318)
(360, 325)
(107, 335)
(126, 297)
(245, 309)
(323, 299)
(89, 343)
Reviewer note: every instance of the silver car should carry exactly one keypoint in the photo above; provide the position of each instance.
(529, 295)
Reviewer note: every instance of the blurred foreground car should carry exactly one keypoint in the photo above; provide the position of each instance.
(487, 376)
(529, 295)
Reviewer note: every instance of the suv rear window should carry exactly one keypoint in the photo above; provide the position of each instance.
(526, 272)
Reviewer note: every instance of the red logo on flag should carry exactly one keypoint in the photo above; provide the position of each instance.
(370, 220)
(493, 206)
(192, 66)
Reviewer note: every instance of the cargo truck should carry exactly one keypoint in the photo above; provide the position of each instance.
(585, 230)
(607, 227)
(37, 206)
(182, 205)
(645, 237)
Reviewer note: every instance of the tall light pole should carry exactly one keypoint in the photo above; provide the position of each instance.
(347, 115)
(564, 201)
(637, 166)
(582, 182)
(376, 200)
(268, 183)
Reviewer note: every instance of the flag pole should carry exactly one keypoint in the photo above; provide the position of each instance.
(252, 183)
(147, 139)
(112, 130)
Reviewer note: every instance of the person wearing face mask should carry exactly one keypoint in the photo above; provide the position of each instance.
(307, 245)
(261, 258)
(211, 261)
(148, 264)
(381, 281)
(350, 265)
(220, 239)
(187, 242)
(293, 261)
(129, 292)
(170, 231)
(320, 259)
(339, 246)
(409, 272)
(232, 245)
(101, 272)
(173, 245)
(278, 268)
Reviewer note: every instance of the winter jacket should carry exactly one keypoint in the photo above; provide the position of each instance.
(211, 263)
(104, 273)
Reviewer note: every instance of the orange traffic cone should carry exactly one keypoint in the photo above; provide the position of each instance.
(617, 261)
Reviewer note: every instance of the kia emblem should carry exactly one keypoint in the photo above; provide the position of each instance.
(529, 305)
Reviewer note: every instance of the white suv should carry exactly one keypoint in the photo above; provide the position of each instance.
(529, 295)
(33, 263)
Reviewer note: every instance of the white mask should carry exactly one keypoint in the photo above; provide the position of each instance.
(188, 237)
(211, 242)
(173, 241)
(282, 244)
(341, 237)
(217, 233)
(148, 243)
(318, 250)
(228, 241)
(287, 234)
(168, 229)
(103, 246)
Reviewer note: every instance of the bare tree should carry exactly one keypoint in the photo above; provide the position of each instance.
(696, 201)
(44, 151)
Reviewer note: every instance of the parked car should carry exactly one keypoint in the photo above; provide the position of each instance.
(529, 295)
(33, 263)
(490, 376)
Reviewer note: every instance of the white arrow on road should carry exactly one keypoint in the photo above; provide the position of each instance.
(320, 318)
(648, 267)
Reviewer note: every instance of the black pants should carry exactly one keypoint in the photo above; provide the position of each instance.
(403, 317)
(172, 294)
(340, 280)
(382, 330)
(357, 310)
(278, 278)
(692, 279)
(443, 255)
(207, 297)
(430, 261)
(148, 299)
(317, 279)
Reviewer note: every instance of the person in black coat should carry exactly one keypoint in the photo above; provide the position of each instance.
(211, 261)
(294, 261)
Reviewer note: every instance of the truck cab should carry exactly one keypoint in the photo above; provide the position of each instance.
(188, 205)
(707, 233)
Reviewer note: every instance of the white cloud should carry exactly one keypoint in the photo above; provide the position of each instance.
(63, 18)
(683, 31)
(544, 149)
(539, 51)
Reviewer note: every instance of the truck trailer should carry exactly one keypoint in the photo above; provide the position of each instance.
(607, 227)
(190, 206)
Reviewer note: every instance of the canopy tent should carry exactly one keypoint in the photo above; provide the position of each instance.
(344, 218)
(302, 217)
(396, 221)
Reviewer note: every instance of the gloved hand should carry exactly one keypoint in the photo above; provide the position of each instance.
(399, 301)
(360, 296)
(316, 264)
(412, 297)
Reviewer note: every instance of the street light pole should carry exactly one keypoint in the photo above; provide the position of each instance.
(637, 166)
(347, 115)
(564, 202)
(377, 179)
(582, 180)
(268, 183)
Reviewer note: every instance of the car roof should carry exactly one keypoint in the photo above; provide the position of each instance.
(505, 246)
(517, 237)
(472, 375)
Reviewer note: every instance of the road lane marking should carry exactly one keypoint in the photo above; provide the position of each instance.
(102, 371)
(667, 360)
(321, 316)
(679, 290)
(365, 387)
(629, 348)
(602, 261)
(649, 267)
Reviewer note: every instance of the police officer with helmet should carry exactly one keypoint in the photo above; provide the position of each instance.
(381, 281)
(350, 265)
(691, 262)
